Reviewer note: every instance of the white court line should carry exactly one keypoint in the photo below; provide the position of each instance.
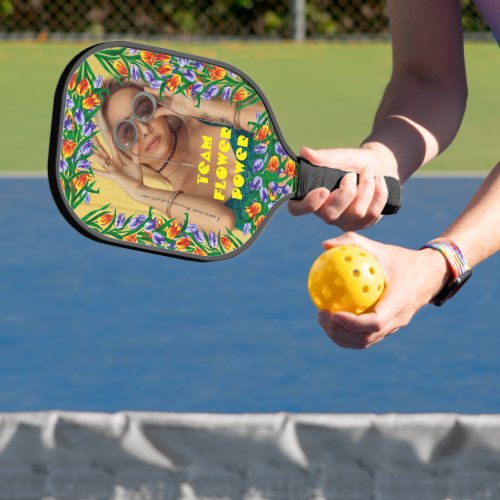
(454, 174)
(23, 175)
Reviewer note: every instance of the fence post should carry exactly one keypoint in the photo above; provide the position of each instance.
(299, 20)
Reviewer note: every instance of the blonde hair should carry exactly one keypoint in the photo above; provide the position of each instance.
(175, 123)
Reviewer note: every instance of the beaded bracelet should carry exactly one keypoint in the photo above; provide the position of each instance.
(171, 201)
(451, 253)
(458, 265)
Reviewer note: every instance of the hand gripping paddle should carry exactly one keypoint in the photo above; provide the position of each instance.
(170, 153)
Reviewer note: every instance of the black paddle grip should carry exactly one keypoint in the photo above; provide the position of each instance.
(311, 177)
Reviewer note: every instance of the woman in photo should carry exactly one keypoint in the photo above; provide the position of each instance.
(171, 140)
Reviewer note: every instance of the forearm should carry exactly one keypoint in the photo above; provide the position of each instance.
(477, 230)
(210, 215)
(416, 120)
(227, 114)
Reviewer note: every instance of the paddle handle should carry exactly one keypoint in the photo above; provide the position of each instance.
(311, 177)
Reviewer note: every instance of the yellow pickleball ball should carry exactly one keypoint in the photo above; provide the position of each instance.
(346, 278)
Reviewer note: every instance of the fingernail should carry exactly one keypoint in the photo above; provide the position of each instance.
(324, 194)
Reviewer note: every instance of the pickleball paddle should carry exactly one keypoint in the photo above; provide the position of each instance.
(171, 153)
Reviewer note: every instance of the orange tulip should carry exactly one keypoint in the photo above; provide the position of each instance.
(253, 209)
(80, 181)
(83, 87)
(217, 73)
(105, 219)
(291, 168)
(240, 95)
(183, 243)
(91, 101)
(148, 57)
(120, 68)
(173, 83)
(173, 230)
(199, 251)
(162, 57)
(72, 82)
(68, 148)
(226, 243)
(262, 133)
(164, 69)
(131, 237)
(273, 164)
(258, 220)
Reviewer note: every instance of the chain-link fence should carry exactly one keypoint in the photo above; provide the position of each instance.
(204, 18)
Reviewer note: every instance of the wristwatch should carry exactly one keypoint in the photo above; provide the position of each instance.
(460, 270)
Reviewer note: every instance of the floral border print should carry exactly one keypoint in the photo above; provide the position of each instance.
(246, 173)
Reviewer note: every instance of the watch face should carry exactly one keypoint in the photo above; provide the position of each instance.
(451, 288)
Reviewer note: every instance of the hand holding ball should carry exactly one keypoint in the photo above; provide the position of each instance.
(346, 278)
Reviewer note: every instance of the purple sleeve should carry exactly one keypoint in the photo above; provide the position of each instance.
(490, 9)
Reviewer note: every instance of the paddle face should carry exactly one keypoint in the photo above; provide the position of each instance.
(160, 151)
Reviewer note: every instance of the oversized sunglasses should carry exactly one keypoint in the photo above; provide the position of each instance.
(125, 132)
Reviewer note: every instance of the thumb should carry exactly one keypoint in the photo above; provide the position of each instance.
(337, 158)
(349, 238)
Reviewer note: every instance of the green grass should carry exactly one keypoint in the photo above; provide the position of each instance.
(323, 95)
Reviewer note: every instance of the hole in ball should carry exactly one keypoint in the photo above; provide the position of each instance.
(366, 289)
(348, 258)
(356, 273)
(372, 270)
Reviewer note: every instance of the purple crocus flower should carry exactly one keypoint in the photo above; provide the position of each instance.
(232, 75)
(270, 205)
(195, 231)
(273, 188)
(246, 228)
(79, 117)
(134, 71)
(198, 65)
(182, 62)
(98, 82)
(120, 221)
(86, 148)
(264, 196)
(63, 165)
(132, 51)
(189, 75)
(69, 102)
(158, 239)
(256, 183)
(258, 164)
(212, 239)
(279, 149)
(285, 189)
(136, 221)
(87, 198)
(68, 124)
(258, 115)
(150, 225)
(83, 164)
(226, 93)
(88, 128)
(260, 148)
(210, 92)
(196, 88)
(153, 82)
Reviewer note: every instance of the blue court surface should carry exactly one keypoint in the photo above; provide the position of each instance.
(92, 327)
